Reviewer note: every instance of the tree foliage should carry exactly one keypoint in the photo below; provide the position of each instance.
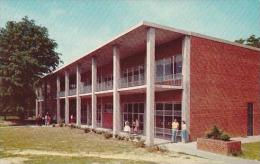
(26, 54)
(250, 41)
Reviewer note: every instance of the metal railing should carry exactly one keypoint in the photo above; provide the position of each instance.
(132, 81)
(172, 79)
(85, 89)
(103, 86)
(72, 92)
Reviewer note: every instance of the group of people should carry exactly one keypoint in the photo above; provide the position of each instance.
(175, 131)
(135, 127)
(43, 119)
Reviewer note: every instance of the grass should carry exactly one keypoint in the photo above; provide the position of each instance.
(39, 145)
(251, 151)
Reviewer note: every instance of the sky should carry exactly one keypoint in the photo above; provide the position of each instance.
(79, 26)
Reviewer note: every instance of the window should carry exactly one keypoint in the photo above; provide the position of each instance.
(178, 64)
(168, 66)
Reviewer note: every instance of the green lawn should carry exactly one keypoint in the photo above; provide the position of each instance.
(39, 145)
(251, 150)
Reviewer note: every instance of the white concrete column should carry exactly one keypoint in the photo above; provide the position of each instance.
(94, 97)
(36, 108)
(58, 99)
(78, 103)
(150, 89)
(186, 81)
(40, 107)
(67, 98)
(116, 96)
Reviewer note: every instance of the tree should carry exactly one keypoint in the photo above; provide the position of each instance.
(26, 54)
(251, 41)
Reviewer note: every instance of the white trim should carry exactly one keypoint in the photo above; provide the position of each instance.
(154, 25)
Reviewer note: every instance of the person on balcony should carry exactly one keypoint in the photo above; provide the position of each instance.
(175, 127)
(184, 134)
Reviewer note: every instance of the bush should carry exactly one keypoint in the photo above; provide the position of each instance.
(61, 123)
(216, 133)
(73, 126)
(87, 130)
(140, 144)
(108, 135)
(225, 137)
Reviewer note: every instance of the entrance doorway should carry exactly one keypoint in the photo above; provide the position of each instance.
(250, 119)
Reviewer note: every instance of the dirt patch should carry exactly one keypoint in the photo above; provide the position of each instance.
(142, 156)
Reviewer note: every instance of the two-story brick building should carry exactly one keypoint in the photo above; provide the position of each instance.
(154, 74)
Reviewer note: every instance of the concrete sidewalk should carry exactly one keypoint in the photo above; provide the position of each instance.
(191, 149)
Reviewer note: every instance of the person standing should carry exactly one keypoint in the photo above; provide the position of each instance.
(127, 128)
(175, 127)
(136, 128)
(184, 134)
(46, 119)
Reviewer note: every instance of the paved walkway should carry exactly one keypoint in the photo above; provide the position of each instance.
(191, 148)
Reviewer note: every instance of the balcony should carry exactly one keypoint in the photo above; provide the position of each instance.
(103, 86)
(62, 94)
(132, 81)
(72, 92)
(172, 79)
(85, 89)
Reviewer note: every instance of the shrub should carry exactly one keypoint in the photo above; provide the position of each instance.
(61, 123)
(73, 126)
(87, 130)
(225, 137)
(138, 138)
(108, 135)
(140, 144)
(216, 133)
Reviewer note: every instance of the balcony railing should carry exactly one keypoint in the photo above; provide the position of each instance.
(173, 79)
(103, 86)
(62, 94)
(72, 92)
(85, 89)
(41, 97)
(132, 81)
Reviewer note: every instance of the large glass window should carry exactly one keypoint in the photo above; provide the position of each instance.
(165, 113)
(133, 111)
(178, 64)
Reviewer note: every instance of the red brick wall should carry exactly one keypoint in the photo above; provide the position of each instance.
(224, 78)
(218, 146)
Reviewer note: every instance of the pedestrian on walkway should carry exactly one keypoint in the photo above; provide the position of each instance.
(184, 133)
(175, 127)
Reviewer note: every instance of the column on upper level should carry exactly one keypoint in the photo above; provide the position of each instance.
(116, 96)
(150, 89)
(58, 98)
(93, 95)
(78, 99)
(186, 81)
(66, 97)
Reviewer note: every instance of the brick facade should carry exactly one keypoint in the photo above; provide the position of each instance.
(224, 78)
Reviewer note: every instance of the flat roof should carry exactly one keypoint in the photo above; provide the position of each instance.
(145, 24)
